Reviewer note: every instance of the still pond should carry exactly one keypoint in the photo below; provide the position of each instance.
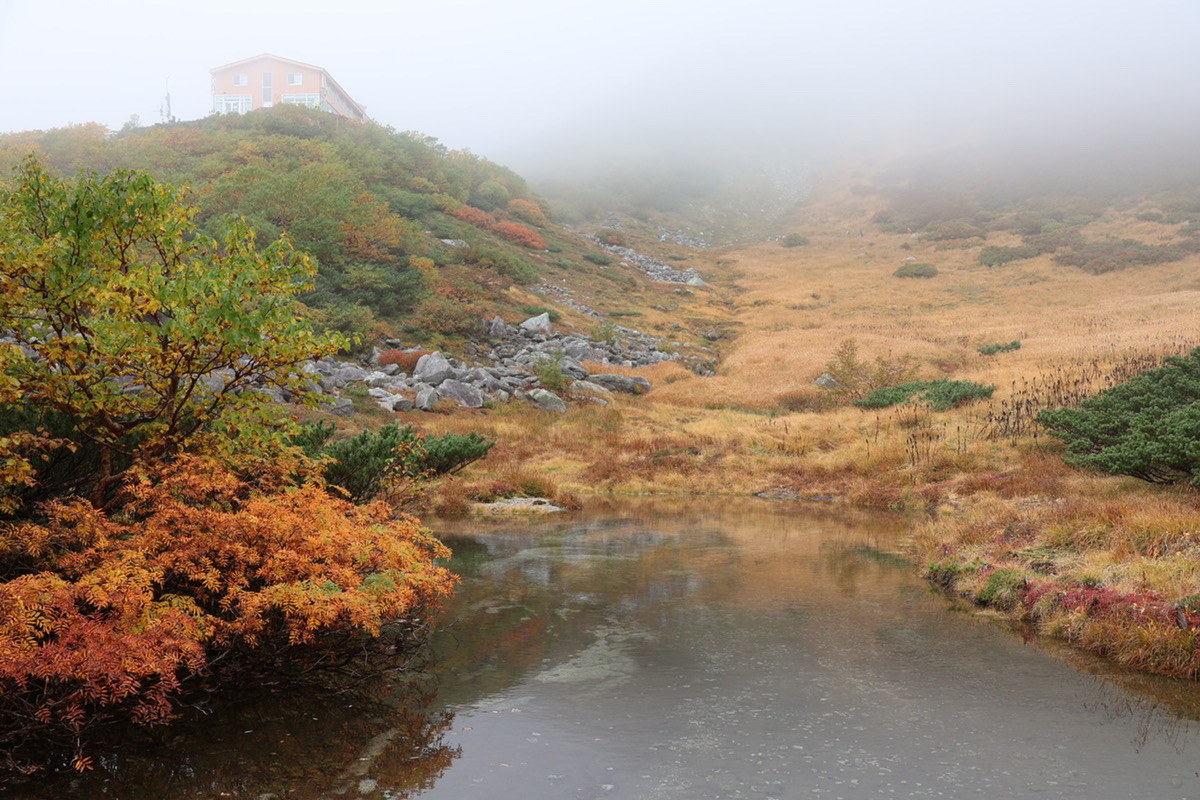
(690, 650)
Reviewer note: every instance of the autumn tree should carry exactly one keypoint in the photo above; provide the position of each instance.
(131, 331)
(196, 544)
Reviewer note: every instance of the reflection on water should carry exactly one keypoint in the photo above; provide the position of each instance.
(692, 650)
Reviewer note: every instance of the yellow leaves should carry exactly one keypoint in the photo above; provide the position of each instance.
(201, 558)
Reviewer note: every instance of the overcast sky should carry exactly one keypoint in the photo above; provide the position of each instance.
(509, 78)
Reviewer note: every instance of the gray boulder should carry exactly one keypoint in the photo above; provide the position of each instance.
(586, 390)
(622, 383)
(341, 406)
(578, 349)
(498, 329)
(349, 373)
(573, 368)
(462, 393)
(427, 398)
(547, 400)
(538, 324)
(432, 368)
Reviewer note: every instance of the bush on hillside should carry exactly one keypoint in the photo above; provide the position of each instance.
(519, 234)
(1099, 257)
(363, 465)
(849, 378)
(916, 271)
(940, 395)
(992, 349)
(795, 240)
(612, 237)
(996, 256)
(1147, 428)
(955, 229)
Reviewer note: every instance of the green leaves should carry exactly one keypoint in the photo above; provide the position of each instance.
(122, 311)
(1148, 427)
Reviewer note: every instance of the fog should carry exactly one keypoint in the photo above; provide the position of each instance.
(550, 86)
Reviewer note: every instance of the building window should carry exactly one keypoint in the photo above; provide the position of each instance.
(241, 79)
(232, 103)
(266, 94)
(295, 78)
(310, 100)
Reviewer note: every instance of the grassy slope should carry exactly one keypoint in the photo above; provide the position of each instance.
(1103, 562)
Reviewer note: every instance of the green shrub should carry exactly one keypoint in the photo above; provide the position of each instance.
(851, 378)
(940, 395)
(1148, 427)
(1099, 257)
(550, 375)
(612, 236)
(992, 349)
(795, 240)
(606, 332)
(995, 256)
(916, 271)
(489, 195)
(1002, 589)
(362, 464)
(599, 258)
(955, 229)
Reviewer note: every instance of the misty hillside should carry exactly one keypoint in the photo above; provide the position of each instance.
(412, 240)
(423, 243)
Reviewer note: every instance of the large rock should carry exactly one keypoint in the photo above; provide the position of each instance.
(547, 400)
(427, 398)
(498, 329)
(573, 368)
(350, 373)
(578, 349)
(538, 324)
(432, 368)
(341, 406)
(462, 393)
(621, 383)
(586, 390)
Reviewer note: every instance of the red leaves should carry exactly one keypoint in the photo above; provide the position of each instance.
(512, 231)
(199, 558)
(478, 218)
(519, 234)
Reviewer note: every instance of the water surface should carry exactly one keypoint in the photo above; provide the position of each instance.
(694, 650)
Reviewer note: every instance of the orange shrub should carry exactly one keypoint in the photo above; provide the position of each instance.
(528, 211)
(202, 566)
(405, 359)
(519, 234)
(480, 219)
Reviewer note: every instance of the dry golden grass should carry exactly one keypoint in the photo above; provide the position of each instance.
(1008, 506)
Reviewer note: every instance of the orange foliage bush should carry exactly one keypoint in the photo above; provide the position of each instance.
(475, 216)
(200, 567)
(528, 211)
(519, 234)
(405, 359)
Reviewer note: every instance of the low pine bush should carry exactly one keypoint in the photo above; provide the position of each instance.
(916, 271)
(363, 464)
(1147, 427)
(996, 256)
(992, 349)
(940, 395)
